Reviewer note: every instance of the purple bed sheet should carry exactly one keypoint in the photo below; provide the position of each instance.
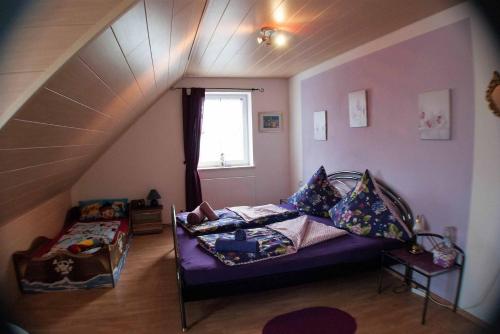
(199, 267)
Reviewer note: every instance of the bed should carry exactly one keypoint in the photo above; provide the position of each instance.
(49, 266)
(201, 276)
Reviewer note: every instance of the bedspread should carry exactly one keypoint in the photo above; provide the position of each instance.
(275, 240)
(103, 231)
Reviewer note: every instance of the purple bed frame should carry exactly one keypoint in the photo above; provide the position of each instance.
(202, 276)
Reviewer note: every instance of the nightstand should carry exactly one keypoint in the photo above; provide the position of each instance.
(422, 264)
(146, 220)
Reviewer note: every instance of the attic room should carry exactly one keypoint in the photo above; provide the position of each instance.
(249, 166)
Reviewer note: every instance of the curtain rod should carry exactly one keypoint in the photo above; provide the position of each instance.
(261, 90)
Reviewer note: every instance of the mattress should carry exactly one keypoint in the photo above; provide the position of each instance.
(199, 267)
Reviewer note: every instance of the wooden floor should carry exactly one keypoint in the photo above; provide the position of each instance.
(145, 301)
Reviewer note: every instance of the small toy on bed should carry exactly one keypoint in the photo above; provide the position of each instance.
(85, 245)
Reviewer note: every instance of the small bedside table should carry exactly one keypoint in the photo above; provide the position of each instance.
(146, 220)
(422, 264)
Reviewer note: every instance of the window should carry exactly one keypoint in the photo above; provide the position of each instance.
(226, 131)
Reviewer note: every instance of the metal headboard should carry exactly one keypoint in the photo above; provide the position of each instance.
(403, 207)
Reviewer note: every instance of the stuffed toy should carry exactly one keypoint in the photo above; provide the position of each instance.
(84, 245)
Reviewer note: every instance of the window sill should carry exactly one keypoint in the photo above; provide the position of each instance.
(226, 167)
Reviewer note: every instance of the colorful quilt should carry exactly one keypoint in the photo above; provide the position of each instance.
(79, 232)
(230, 221)
(275, 240)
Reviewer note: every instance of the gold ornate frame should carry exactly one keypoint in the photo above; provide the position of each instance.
(494, 84)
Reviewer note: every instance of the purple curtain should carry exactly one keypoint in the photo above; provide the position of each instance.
(192, 111)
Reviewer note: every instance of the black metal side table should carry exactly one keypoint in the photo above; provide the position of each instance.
(422, 264)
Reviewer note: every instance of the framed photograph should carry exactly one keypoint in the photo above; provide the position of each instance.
(434, 115)
(270, 122)
(320, 125)
(358, 115)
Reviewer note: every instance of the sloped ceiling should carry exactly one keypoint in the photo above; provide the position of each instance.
(87, 100)
(81, 109)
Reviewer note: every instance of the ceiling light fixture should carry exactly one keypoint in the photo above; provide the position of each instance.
(266, 35)
(271, 36)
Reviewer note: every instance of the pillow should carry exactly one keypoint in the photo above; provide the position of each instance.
(103, 209)
(317, 196)
(366, 211)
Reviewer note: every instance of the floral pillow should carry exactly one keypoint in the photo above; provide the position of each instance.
(366, 211)
(103, 209)
(317, 196)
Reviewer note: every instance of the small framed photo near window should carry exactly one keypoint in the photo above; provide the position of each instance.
(270, 122)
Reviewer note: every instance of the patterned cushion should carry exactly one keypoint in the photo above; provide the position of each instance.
(366, 211)
(317, 196)
(103, 209)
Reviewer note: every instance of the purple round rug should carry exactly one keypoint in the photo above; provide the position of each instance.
(313, 320)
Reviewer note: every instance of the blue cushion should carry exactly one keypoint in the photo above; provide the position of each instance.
(366, 211)
(317, 196)
(103, 209)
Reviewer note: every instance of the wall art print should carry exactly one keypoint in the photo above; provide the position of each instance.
(434, 115)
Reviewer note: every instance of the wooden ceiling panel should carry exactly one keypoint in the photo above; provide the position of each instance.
(14, 84)
(18, 177)
(77, 81)
(229, 24)
(309, 21)
(142, 67)
(25, 51)
(52, 108)
(243, 40)
(159, 18)
(106, 59)
(21, 158)
(316, 31)
(131, 29)
(184, 26)
(208, 26)
(18, 190)
(63, 12)
(22, 134)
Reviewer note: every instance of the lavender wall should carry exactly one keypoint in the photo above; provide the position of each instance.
(433, 176)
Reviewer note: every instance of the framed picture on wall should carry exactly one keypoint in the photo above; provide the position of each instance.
(320, 125)
(434, 118)
(270, 122)
(358, 115)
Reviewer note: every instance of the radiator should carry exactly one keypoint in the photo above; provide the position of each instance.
(229, 191)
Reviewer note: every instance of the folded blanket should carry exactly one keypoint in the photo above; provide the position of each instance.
(208, 211)
(275, 240)
(250, 213)
(196, 216)
(304, 232)
(230, 221)
(228, 245)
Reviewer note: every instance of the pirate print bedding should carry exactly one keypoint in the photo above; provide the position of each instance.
(84, 255)
(275, 240)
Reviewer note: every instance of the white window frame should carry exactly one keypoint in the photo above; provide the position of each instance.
(247, 128)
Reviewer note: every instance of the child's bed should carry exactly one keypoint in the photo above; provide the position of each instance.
(201, 276)
(48, 265)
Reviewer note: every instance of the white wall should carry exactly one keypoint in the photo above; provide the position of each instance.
(481, 290)
(481, 286)
(150, 154)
